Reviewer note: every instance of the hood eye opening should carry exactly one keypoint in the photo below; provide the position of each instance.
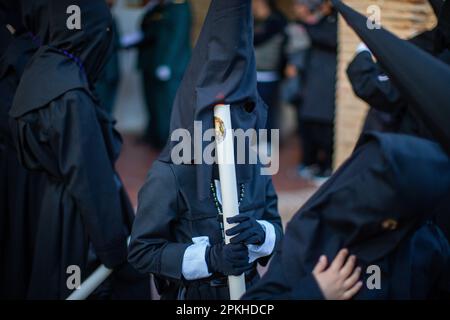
(249, 106)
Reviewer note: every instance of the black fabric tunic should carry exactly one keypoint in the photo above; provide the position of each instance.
(170, 216)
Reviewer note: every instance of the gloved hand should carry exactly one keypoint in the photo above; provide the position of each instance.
(248, 231)
(163, 73)
(228, 259)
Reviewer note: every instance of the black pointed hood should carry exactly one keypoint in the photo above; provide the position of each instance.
(91, 45)
(72, 59)
(422, 79)
(222, 70)
(391, 185)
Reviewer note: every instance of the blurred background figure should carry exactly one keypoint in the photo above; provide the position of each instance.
(164, 52)
(270, 42)
(317, 109)
(108, 83)
(296, 53)
(389, 110)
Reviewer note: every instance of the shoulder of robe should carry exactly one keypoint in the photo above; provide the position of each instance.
(47, 77)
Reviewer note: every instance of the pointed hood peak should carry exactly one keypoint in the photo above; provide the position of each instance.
(422, 79)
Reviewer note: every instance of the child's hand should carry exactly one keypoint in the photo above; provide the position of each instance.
(340, 280)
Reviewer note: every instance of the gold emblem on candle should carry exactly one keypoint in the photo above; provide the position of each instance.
(220, 129)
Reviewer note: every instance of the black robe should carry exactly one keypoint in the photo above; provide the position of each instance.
(418, 269)
(60, 130)
(374, 203)
(20, 190)
(170, 215)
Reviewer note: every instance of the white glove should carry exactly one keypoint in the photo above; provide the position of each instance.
(362, 48)
(163, 73)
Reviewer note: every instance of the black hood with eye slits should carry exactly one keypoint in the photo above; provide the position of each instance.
(222, 70)
(72, 59)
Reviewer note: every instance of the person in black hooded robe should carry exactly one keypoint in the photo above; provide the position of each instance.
(20, 190)
(393, 227)
(177, 234)
(389, 112)
(60, 130)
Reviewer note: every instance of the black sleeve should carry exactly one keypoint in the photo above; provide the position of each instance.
(272, 215)
(89, 175)
(372, 85)
(153, 248)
